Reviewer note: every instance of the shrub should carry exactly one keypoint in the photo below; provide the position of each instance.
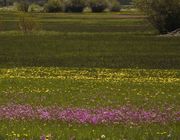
(1, 25)
(27, 23)
(6, 3)
(22, 5)
(54, 6)
(35, 8)
(74, 5)
(125, 2)
(98, 5)
(163, 14)
(115, 6)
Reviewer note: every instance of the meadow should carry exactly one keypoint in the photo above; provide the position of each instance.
(89, 77)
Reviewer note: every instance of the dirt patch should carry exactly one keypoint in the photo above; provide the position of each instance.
(174, 33)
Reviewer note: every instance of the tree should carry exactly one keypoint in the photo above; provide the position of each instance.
(75, 5)
(22, 5)
(163, 14)
(5, 2)
(98, 5)
(114, 6)
(125, 2)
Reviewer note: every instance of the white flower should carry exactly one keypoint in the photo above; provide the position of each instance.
(103, 136)
(169, 135)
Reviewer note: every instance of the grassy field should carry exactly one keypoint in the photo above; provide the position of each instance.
(88, 40)
(89, 62)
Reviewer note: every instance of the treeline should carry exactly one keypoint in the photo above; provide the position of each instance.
(41, 2)
(11, 2)
(80, 5)
(125, 2)
(68, 6)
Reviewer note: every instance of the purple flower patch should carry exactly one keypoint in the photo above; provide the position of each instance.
(123, 114)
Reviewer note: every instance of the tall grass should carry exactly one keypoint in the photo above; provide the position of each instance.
(89, 40)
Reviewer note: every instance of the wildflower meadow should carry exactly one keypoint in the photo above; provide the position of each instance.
(87, 76)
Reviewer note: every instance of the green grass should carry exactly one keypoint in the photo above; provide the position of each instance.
(88, 40)
(90, 88)
(101, 50)
(90, 61)
(89, 132)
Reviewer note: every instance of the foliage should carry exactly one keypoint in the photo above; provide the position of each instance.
(35, 8)
(6, 2)
(114, 6)
(22, 5)
(54, 6)
(1, 25)
(125, 2)
(27, 23)
(98, 5)
(95, 40)
(74, 5)
(163, 14)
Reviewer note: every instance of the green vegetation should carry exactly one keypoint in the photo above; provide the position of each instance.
(22, 5)
(88, 40)
(27, 24)
(60, 131)
(54, 6)
(115, 6)
(88, 60)
(98, 5)
(75, 6)
(163, 14)
(90, 88)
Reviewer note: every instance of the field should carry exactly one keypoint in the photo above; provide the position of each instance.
(88, 76)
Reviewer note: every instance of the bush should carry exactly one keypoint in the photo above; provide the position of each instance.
(22, 5)
(54, 6)
(74, 5)
(35, 8)
(27, 24)
(115, 6)
(98, 5)
(1, 25)
(6, 3)
(163, 14)
(125, 2)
